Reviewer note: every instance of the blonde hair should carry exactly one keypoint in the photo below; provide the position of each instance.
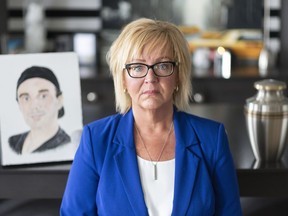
(151, 34)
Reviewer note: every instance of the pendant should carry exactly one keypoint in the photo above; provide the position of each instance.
(155, 171)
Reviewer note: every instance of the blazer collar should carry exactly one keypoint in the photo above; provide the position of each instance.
(186, 163)
(124, 135)
(126, 161)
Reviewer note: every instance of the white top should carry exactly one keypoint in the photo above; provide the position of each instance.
(158, 194)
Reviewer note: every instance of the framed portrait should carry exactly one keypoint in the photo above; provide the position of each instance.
(41, 111)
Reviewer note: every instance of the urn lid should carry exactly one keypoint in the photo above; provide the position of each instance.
(270, 85)
(270, 98)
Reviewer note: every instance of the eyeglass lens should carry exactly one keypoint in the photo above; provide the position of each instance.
(161, 69)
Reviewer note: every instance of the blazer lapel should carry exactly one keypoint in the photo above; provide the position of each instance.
(126, 161)
(186, 164)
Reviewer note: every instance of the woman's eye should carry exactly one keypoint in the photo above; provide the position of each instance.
(138, 68)
(162, 66)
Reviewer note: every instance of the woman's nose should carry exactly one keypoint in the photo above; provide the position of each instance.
(151, 77)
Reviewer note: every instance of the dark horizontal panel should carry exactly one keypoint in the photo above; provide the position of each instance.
(51, 34)
(72, 13)
(15, 13)
(274, 12)
(274, 34)
(59, 13)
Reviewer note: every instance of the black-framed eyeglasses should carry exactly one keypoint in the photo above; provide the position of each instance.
(160, 69)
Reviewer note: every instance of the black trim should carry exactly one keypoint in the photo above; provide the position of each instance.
(18, 13)
(72, 13)
(275, 12)
(15, 13)
(53, 34)
(275, 34)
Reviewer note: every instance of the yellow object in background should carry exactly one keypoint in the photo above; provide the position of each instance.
(244, 44)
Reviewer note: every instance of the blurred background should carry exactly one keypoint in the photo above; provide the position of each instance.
(233, 43)
(242, 27)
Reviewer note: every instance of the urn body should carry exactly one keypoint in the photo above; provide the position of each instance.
(266, 116)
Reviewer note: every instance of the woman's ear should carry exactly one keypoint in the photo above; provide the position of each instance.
(176, 88)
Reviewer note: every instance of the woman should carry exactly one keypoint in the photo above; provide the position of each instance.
(153, 158)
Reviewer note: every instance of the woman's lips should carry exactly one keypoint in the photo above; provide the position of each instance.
(150, 92)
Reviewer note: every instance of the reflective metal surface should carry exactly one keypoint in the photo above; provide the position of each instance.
(267, 120)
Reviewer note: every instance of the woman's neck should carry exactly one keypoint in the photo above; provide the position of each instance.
(153, 119)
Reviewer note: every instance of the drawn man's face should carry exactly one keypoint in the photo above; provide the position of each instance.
(38, 102)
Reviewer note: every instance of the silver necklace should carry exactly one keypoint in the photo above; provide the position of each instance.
(161, 152)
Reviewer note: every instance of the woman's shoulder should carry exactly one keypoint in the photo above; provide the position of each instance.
(198, 121)
(211, 134)
(206, 130)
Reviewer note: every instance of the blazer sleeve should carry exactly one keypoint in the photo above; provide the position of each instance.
(225, 179)
(80, 192)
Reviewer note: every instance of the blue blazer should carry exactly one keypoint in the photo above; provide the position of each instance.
(104, 178)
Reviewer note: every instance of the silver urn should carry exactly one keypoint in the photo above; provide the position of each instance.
(266, 116)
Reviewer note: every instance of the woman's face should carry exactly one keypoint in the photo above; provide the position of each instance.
(152, 92)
